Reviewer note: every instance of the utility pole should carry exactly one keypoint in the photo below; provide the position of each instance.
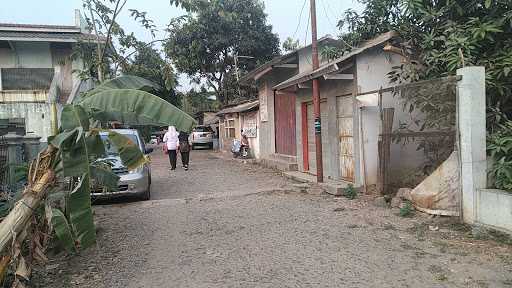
(316, 97)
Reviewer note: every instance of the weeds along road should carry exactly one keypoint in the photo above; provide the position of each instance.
(228, 224)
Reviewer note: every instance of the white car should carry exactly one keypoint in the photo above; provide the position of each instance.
(202, 136)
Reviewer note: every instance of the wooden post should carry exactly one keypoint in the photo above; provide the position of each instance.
(385, 150)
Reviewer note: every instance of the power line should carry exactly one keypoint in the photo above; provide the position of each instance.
(300, 19)
(327, 15)
(332, 24)
(307, 29)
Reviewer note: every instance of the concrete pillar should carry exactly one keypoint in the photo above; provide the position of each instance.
(472, 137)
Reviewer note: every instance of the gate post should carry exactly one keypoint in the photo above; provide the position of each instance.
(472, 138)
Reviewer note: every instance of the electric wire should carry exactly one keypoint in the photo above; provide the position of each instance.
(300, 19)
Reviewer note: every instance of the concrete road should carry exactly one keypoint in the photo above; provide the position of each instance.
(228, 224)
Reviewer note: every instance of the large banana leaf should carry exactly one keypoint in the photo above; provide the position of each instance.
(80, 214)
(125, 82)
(129, 152)
(63, 230)
(134, 107)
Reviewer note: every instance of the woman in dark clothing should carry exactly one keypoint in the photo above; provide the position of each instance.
(184, 149)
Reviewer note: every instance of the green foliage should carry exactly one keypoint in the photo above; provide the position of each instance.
(499, 145)
(406, 210)
(350, 192)
(290, 44)
(103, 61)
(80, 148)
(330, 53)
(148, 63)
(196, 101)
(134, 107)
(442, 36)
(203, 44)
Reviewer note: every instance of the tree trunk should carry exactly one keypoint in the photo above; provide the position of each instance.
(19, 217)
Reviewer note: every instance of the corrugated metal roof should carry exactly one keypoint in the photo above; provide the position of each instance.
(47, 36)
(332, 66)
(282, 59)
(240, 108)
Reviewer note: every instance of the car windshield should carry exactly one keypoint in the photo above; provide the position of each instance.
(111, 149)
(202, 129)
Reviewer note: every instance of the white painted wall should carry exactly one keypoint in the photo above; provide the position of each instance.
(7, 59)
(305, 62)
(254, 142)
(37, 117)
(372, 69)
(33, 55)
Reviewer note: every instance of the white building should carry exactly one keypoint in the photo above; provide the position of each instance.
(37, 69)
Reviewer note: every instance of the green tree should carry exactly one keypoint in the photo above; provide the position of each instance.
(148, 63)
(290, 44)
(103, 57)
(203, 43)
(202, 100)
(442, 36)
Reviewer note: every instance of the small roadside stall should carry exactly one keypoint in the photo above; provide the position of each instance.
(238, 119)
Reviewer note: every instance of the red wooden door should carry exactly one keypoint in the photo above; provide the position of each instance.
(284, 107)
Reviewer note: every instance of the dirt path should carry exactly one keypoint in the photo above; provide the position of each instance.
(243, 226)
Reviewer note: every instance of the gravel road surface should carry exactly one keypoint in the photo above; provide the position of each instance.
(224, 223)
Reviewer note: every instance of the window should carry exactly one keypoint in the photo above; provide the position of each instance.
(229, 128)
(203, 129)
(16, 125)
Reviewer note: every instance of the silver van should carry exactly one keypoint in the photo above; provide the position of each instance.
(131, 183)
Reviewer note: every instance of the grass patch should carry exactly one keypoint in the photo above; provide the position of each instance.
(407, 210)
(350, 192)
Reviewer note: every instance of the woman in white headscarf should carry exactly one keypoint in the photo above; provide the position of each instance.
(172, 142)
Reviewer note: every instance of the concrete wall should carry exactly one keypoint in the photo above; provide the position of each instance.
(495, 209)
(41, 55)
(226, 142)
(266, 129)
(37, 117)
(305, 61)
(248, 119)
(372, 69)
(7, 58)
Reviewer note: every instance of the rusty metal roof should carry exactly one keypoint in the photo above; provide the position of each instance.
(240, 108)
(282, 59)
(333, 65)
(47, 33)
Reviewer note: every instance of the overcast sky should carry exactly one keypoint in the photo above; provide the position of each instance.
(282, 14)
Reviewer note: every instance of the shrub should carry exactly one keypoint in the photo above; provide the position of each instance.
(406, 210)
(350, 192)
(499, 146)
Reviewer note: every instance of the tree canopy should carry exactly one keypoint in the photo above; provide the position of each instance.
(204, 43)
(442, 36)
(148, 63)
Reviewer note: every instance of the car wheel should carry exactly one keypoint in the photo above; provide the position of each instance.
(147, 194)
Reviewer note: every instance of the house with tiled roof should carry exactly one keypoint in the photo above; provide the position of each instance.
(37, 70)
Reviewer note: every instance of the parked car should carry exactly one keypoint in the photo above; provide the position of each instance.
(202, 136)
(131, 183)
(153, 140)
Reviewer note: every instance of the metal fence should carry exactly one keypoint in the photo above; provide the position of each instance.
(3, 164)
(418, 132)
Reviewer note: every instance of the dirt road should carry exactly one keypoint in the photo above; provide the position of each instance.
(228, 224)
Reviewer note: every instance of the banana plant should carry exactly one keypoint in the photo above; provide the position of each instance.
(80, 146)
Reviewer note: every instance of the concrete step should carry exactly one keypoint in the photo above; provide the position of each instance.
(279, 165)
(329, 186)
(283, 158)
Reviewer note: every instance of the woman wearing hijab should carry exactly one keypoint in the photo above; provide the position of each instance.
(184, 149)
(171, 141)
